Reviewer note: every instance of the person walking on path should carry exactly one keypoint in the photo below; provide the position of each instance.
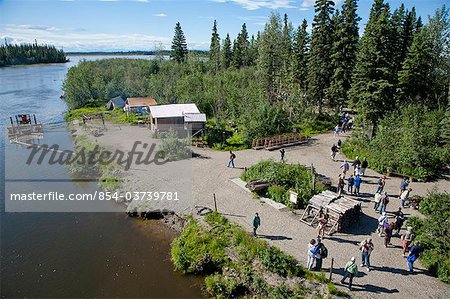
(345, 167)
(282, 152)
(404, 196)
(336, 131)
(403, 186)
(350, 183)
(364, 166)
(350, 271)
(231, 160)
(381, 223)
(312, 251)
(384, 202)
(399, 220)
(323, 221)
(413, 255)
(256, 223)
(407, 239)
(356, 163)
(380, 184)
(377, 200)
(321, 253)
(388, 228)
(357, 182)
(339, 144)
(366, 249)
(334, 150)
(341, 184)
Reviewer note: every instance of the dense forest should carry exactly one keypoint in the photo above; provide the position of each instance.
(395, 76)
(30, 54)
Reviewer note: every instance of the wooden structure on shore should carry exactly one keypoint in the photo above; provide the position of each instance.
(343, 211)
(24, 126)
(279, 141)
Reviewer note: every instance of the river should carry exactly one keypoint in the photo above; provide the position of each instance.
(74, 255)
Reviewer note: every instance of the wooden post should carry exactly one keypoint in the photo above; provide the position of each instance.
(331, 268)
(313, 175)
(215, 202)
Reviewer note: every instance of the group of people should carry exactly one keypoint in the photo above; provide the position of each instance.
(354, 180)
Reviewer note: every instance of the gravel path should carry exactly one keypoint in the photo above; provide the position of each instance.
(389, 276)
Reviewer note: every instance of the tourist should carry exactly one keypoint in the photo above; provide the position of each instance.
(377, 200)
(407, 239)
(336, 131)
(364, 166)
(404, 196)
(312, 251)
(403, 186)
(350, 271)
(345, 167)
(366, 247)
(388, 228)
(356, 163)
(256, 223)
(384, 202)
(357, 170)
(399, 220)
(341, 184)
(381, 223)
(413, 255)
(322, 252)
(339, 144)
(323, 221)
(231, 160)
(380, 184)
(334, 150)
(350, 183)
(357, 182)
(282, 152)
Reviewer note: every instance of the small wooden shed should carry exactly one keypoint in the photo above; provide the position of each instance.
(343, 211)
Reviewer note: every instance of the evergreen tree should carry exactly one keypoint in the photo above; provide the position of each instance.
(253, 51)
(286, 51)
(241, 48)
(179, 46)
(226, 52)
(416, 78)
(270, 60)
(372, 89)
(214, 48)
(344, 53)
(300, 64)
(320, 68)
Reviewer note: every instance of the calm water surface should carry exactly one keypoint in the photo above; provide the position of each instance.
(74, 255)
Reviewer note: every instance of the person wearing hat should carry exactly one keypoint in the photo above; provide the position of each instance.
(407, 239)
(366, 247)
(350, 271)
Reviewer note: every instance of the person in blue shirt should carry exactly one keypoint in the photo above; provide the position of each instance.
(414, 253)
(357, 181)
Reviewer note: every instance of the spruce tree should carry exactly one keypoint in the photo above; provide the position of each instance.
(344, 52)
(226, 52)
(300, 63)
(214, 49)
(179, 47)
(270, 60)
(241, 48)
(286, 51)
(253, 51)
(320, 68)
(372, 89)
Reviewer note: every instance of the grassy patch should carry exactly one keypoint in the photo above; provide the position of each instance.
(334, 291)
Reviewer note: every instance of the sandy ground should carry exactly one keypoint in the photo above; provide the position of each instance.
(389, 276)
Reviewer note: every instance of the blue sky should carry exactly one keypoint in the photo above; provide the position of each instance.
(109, 25)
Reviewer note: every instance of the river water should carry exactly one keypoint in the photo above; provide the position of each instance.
(74, 255)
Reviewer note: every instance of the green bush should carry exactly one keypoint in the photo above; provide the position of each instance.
(174, 148)
(409, 143)
(433, 232)
(278, 193)
(278, 262)
(287, 176)
(219, 286)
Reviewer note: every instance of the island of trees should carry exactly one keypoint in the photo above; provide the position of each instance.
(30, 54)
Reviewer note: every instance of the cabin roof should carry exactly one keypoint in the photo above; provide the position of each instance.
(141, 101)
(195, 117)
(117, 101)
(173, 110)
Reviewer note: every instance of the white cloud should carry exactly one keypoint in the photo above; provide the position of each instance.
(161, 15)
(257, 4)
(308, 4)
(144, 1)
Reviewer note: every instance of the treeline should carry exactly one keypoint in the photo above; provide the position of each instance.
(30, 54)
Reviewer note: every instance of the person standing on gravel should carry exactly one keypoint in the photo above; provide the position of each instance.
(350, 183)
(407, 239)
(366, 247)
(403, 186)
(384, 202)
(231, 160)
(334, 150)
(322, 252)
(399, 220)
(345, 167)
(357, 182)
(381, 223)
(377, 200)
(413, 255)
(364, 166)
(312, 251)
(380, 184)
(282, 152)
(256, 223)
(341, 184)
(356, 163)
(350, 271)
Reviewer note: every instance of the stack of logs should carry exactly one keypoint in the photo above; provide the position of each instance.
(343, 211)
(279, 141)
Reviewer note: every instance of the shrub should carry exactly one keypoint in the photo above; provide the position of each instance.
(222, 287)
(278, 262)
(277, 193)
(334, 291)
(173, 148)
